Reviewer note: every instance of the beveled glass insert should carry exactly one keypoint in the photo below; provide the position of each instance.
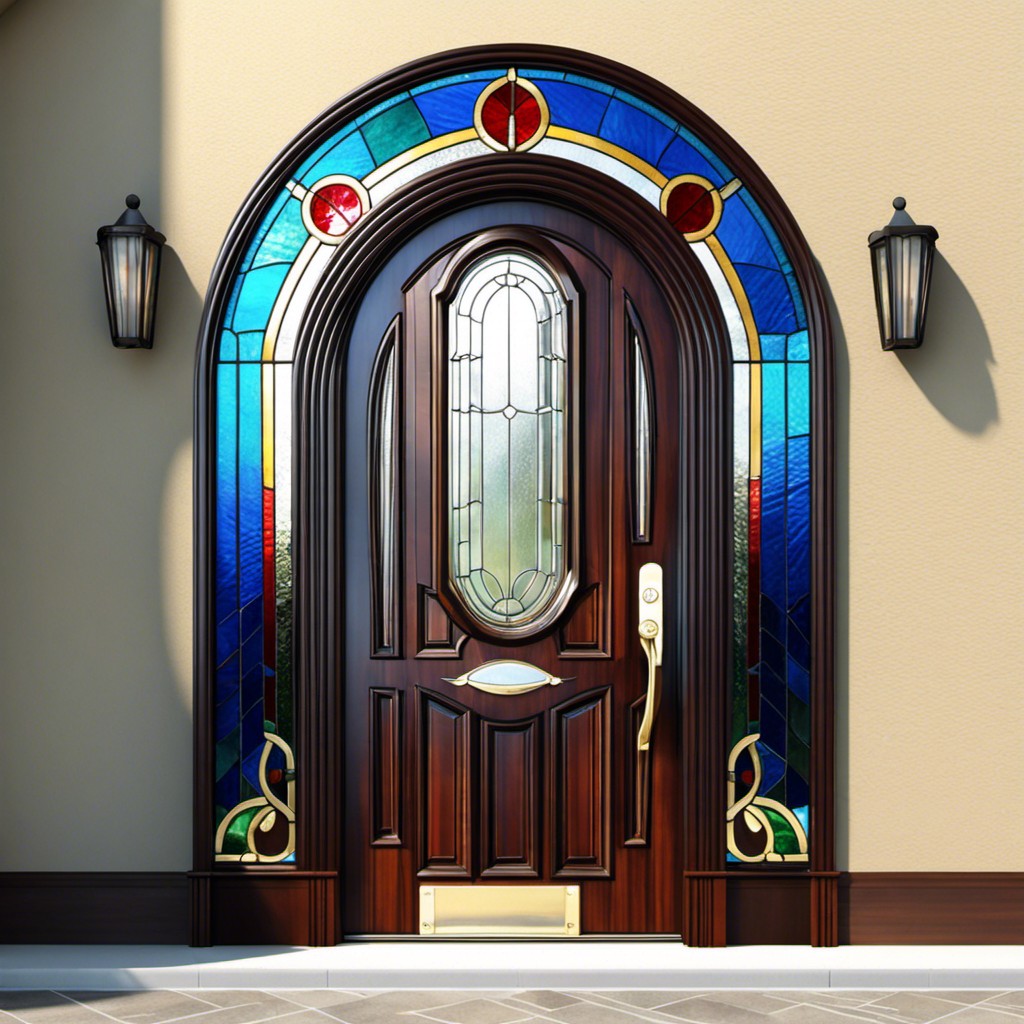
(508, 439)
(641, 442)
(383, 487)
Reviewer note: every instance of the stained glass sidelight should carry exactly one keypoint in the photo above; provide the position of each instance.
(507, 376)
(329, 191)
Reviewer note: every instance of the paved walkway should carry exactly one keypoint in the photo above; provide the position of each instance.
(522, 1007)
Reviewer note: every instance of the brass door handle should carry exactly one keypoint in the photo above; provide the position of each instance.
(650, 629)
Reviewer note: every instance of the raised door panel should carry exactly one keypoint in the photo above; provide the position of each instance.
(580, 794)
(444, 812)
(385, 766)
(510, 799)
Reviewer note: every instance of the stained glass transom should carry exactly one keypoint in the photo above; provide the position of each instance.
(327, 194)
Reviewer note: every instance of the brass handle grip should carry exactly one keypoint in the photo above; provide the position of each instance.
(643, 737)
(650, 629)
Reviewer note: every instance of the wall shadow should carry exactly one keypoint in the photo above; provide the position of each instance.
(952, 365)
(841, 469)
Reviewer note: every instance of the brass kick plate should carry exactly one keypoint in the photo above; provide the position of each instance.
(512, 910)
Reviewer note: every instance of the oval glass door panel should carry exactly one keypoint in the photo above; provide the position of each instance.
(508, 427)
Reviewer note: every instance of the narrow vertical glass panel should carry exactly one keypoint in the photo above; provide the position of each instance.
(643, 435)
(507, 439)
(383, 487)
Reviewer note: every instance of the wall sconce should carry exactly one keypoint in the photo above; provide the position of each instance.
(901, 262)
(130, 251)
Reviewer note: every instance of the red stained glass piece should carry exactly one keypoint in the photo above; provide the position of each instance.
(690, 207)
(495, 113)
(498, 108)
(527, 116)
(274, 776)
(335, 208)
(747, 777)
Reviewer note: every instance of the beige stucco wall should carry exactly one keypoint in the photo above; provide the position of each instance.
(843, 105)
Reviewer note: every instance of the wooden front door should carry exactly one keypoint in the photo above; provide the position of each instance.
(511, 461)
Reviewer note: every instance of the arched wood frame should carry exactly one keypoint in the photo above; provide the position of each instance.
(299, 904)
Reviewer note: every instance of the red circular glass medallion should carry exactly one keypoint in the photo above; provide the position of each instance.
(500, 106)
(690, 207)
(335, 208)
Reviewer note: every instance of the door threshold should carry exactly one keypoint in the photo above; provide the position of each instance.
(598, 937)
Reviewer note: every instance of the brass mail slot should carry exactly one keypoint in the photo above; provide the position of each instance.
(500, 910)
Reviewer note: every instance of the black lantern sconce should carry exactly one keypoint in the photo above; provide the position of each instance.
(130, 251)
(901, 263)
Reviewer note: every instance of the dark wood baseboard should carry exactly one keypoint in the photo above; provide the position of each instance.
(925, 908)
(241, 908)
(874, 908)
(93, 907)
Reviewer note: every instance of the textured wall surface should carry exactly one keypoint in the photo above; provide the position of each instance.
(843, 107)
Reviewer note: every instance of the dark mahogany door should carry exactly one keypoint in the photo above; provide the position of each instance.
(511, 461)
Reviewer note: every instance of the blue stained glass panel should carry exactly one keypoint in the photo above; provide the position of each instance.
(541, 74)
(773, 653)
(798, 646)
(348, 155)
(252, 744)
(252, 686)
(769, 232)
(590, 83)
(265, 225)
(226, 717)
(773, 347)
(227, 679)
(285, 238)
(250, 346)
(487, 75)
(797, 791)
(799, 346)
(799, 680)
(252, 617)
(773, 732)
(250, 483)
(659, 115)
(228, 346)
(227, 637)
(394, 131)
(380, 108)
(773, 686)
(743, 237)
(773, 767)
(773, 482)
(769, 297)
(576, 107)
(798, 299)
(683, 158)
(635, 131)
(798, 517)
(798, 399)
(256, 299)
(227, 496)
(449, 109)
(252, 652)
(800, 613)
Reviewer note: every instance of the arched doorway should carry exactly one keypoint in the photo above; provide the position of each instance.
(752, 566)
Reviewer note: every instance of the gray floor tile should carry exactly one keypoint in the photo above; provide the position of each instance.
(1007, 1001)
(316, 998)
(645, 999)
(709, 1010)
(384, 1007)
(548, 1000)
(982, 1015)
(817, 1013)
(760, 1002)
(475, 1011)
(47, 1008)
(149, 1007)
(913, 1006)
(592, 1013)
